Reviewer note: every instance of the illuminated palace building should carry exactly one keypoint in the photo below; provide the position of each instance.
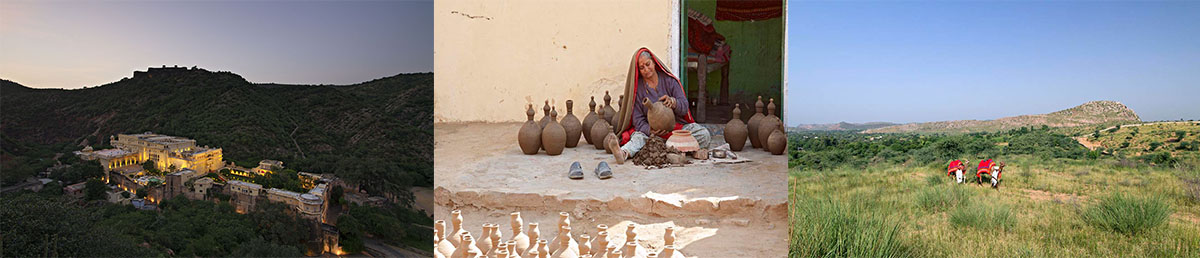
(169, 153)
(176, 156)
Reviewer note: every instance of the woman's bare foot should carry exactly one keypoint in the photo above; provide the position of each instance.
(614, 146)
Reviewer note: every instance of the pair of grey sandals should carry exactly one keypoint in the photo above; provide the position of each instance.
(602, 171)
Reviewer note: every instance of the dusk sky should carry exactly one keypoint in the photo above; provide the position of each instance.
(912, 61)
(71, 44)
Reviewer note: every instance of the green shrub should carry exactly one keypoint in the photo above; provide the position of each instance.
(942, 198)
(984, 217)
(1127, 214)
(822, 228)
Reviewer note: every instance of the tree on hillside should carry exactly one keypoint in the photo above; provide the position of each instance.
(94, 190)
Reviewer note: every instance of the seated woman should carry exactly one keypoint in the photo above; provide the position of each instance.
(649, 79)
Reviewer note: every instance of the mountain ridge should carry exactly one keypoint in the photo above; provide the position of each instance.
(1088, 113)
(377, 133)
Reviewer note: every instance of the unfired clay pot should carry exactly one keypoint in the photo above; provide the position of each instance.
(585, 244)
(669, 236)
(609, 112)
(554, 137)
(617, 116)
(468, 245)
(444, 246)
(567, 247)
(589, 120)
(497, 243)
(670, 251)
(530, 136)
(752, 124)
(600, 129)
(564, 222)
(534, 236)
(545, 115)
(572, 125)
(600, 244)
(767, 124)
(735, 130)
(659, 116)
(456, 231)
(777, 142)
(485, 240)
(521, 240)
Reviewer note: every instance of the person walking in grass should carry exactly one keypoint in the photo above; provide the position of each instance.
(956, 169)
(989, 168)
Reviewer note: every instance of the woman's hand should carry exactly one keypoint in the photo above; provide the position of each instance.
(662, 133)
(668, 101)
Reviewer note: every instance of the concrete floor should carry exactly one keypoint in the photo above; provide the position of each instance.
(481, 170)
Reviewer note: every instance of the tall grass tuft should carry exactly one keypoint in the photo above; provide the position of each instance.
(984, 216)
(942, 198)
(822, 228)
(1127, 214)
(935, 179)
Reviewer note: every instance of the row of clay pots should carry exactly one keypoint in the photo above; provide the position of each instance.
(459, 243)
(554, 135)
(765, 132)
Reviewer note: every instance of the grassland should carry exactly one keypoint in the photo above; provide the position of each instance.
(888, 195)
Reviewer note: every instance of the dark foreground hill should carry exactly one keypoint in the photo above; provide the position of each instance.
(377, 133)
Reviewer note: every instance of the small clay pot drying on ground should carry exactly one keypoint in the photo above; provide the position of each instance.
(588, 120)
(752, 124)
(735, 130)
(573, 127)
(530, 135)
(554, 137)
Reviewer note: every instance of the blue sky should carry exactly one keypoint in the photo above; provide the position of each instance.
(71, 44)
(912, 61)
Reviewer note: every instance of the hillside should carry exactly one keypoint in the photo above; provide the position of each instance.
(376, 133)
(1090, 113)
(843, 126)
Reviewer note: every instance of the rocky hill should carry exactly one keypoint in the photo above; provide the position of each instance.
(1090, 113)
(377, 133)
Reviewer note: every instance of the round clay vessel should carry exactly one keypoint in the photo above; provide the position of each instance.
(777, 143)
(589, 120)
(572, 125)
(752, 124)
(609, 112)
(767, 124)
(682, 140)
(659, 116)
(600, 129)
(554, 137)
(530, 136)
(735, 130)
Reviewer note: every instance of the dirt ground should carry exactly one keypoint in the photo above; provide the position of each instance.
(723, 210)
